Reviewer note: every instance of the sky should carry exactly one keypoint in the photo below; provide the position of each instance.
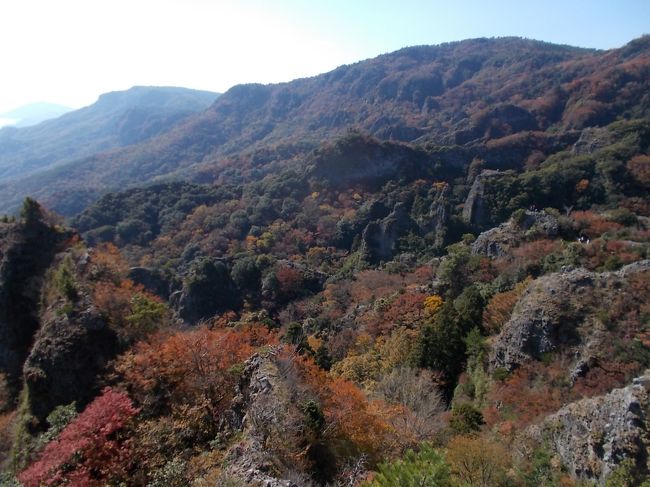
(71, 51)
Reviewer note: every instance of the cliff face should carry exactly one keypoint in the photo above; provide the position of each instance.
(380, 238)
(57, 346)
(26, 252)
(70, 349)
(475, 210)
(497, 241)
(560, 312)
(593, 436)
(259, 410)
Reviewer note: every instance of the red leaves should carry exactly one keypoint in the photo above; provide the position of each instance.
(90, 444)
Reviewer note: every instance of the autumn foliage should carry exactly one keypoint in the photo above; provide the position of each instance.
(190, 367)
(90, 450)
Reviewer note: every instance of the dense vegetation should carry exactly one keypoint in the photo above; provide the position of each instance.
(330, 307)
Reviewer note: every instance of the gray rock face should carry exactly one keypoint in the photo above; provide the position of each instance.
(379, 239)
(592, 139)
(259, 404)
(436, 220)
(556, 312)
(498, 241)
(475, 211)
(593, 436)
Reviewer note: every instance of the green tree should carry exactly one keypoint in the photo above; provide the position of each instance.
(466, 419)
(31, 212)
(322, 357)
(426, 468)
(64, 279)
(147, 314)
(440, 345)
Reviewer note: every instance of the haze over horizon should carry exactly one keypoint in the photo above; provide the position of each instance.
(71, 51)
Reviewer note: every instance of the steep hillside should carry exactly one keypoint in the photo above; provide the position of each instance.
(323, 306)
(117, 119)
(459, 93)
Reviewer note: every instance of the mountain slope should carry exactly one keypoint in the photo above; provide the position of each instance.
(115, 120)
(459, 93)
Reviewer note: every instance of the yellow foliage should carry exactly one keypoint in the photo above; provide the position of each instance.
(477, 461)
(314, 342)
(368, 360)
(432, 304)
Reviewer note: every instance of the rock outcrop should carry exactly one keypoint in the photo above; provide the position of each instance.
(152, 279)
(70, 351)
(558, 312)
(26, 252)
(379, 239)
(593, 436)
(260, 403)
(498, 241)
(475, 210)
(592, 139)
(435, 222)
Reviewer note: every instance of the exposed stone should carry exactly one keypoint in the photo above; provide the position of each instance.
(25, 254)
(475, 211)
(69, 352)
(379, 239)
(592, 139)
(259, 403)
(498, 241)
(556, 312)
(435, 221)
(153, 280)
(592, 436)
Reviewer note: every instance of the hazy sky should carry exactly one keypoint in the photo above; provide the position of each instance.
(70, 51)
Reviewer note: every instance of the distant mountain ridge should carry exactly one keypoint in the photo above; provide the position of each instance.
(33, 114)
(117, 119)
(463, 93)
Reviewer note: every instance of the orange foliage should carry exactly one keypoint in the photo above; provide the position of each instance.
(108, 263)
(593, 224)
(527, 394)
(528, 253)
(639, 167)
(289, 281)
(354, 424)
(478, 461)
(432, 304)
(500, 306)
(582, 185)
(190, 366)
(113, 299)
